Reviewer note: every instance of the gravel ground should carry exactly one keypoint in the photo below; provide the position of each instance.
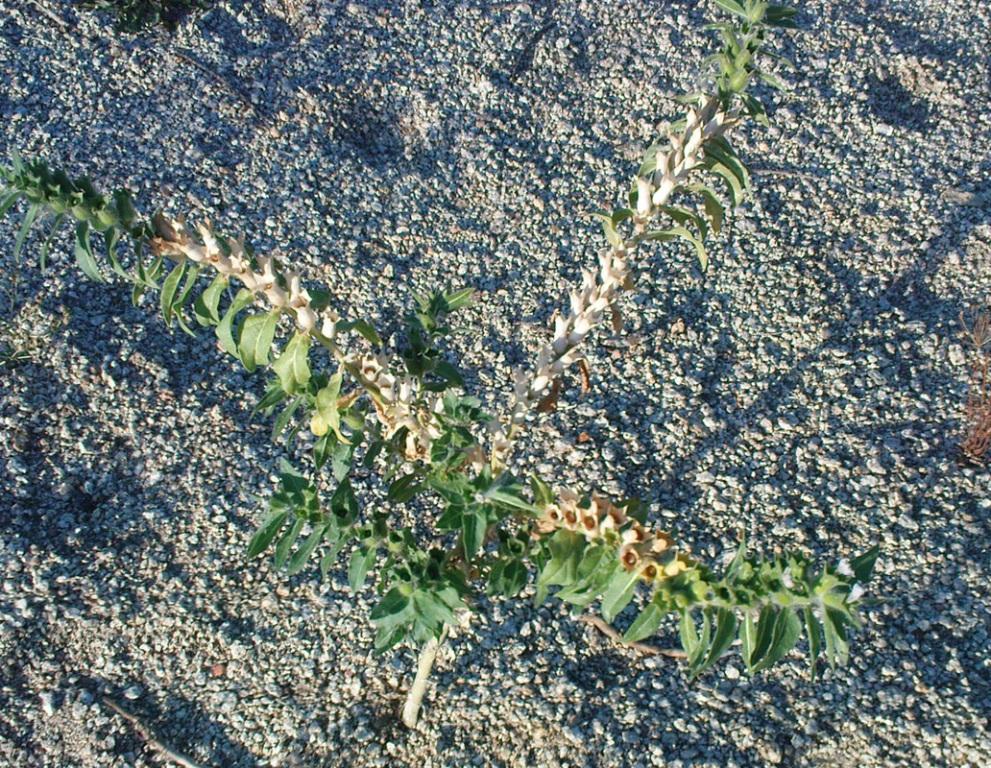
(808, 391)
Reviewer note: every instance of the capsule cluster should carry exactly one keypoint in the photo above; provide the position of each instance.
(260, 275)
(687, 152)
(599, 291)
(652, 552)
(396, 403)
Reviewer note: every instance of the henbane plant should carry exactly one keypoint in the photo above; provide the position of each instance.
(137, 15)
(407, 413)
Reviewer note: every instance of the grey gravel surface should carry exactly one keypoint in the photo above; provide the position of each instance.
(808, 391)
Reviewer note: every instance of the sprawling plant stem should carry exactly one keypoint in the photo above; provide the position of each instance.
(429, 438)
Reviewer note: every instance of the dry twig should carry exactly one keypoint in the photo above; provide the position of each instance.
(150, 736)
(616, 637)
(216, 77)
(51, 15)
(977, 440)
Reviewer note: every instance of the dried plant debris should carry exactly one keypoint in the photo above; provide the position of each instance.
(977, 413)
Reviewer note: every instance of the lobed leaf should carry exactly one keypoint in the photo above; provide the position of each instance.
(257, 334)
(292, 366)
(619, 593)
(265, 534)
(84, 253)
(646, 623)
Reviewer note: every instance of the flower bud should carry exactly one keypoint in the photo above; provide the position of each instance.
(328, 328)
(306, 319)
(644, 192)
(276, 296)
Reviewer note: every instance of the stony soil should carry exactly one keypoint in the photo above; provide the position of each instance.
(807, 391)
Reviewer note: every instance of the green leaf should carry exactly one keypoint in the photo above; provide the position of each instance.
(787, 629)
(684, 234)
(433, 610)
(322, 448)
(363, 327)
(725, 633)
(713, 207)
(331, 555)
(696, 659)
(542, 493)
(834, 631)
(265, 533)
(43, 258)
(597, 566)
(192, 275)
(561, 569)
(169, 289)
(272, 397)
(447, 371)
(863, 566)
(205, 308)
(455, 300)
(292, 366)
(286, 542)
(780, 16)
(111, 238)
(739, 558)
(755, 109)
(361, 562)
(646, 624)
(609, 228)
(7, 200)
(732, 6)
(388, 637)
(301, 555)
(748, 638)
(391, 609)
(84, 253)
(507, 578)
(450, 518)
(285, 416)
(225, 329)
(814, 633)
(508, 498)
(773, 80)
(257, 334)
(344, 503)
(720, 149)
(26, 224)
(733, 186)
(404, 489)
(125, 208)
(688, 634)
(685, 217)
(341, 459)
(473, 525)
(619, 593)
(326, 416)
(763, 635)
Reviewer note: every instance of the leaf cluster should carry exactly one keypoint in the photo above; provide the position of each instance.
(137, 15)
(744, 39)
(763, 605)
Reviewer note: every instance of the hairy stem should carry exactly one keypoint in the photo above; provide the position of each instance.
(414, 700)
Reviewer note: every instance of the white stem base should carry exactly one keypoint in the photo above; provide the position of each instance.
(414, 700)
